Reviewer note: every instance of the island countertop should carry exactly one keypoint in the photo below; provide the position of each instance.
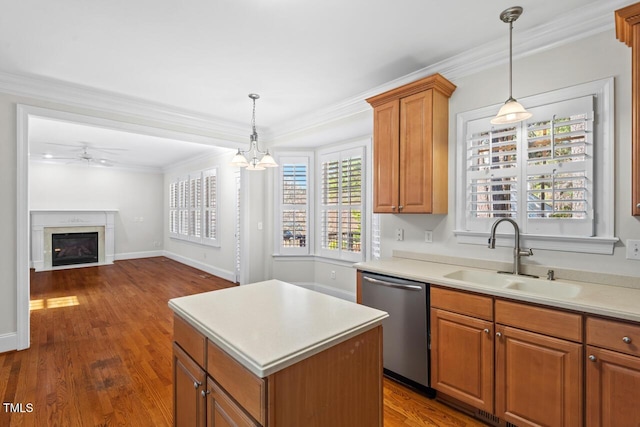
(268, 326)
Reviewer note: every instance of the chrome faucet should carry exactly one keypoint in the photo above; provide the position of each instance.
(517, 252)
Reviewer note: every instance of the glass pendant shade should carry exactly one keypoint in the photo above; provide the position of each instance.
(511, 112)
(255, 167)
(267, 161)
(239, 160)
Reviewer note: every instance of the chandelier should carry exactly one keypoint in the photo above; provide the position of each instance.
(240, 159)
(512, 111)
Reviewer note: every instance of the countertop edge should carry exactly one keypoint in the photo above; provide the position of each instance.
(277, 365)
(569, 304)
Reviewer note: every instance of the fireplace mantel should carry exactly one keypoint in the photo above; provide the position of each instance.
(46, 222)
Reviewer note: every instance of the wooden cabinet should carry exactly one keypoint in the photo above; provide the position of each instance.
(410, 147)
(462, 347)
(538, 367)
(339, 386)
(519, 362)
(189, 381)
(628, 32)
(613, 373)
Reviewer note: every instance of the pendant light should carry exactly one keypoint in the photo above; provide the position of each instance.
(240, 160)
(512, 111)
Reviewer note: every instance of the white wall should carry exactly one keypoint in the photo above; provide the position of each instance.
(215, 260)
(590, 59)
(138, 197)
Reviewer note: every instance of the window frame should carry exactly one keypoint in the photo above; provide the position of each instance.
(340, 153)
(186, 209)
(603, 239)
(306, 158)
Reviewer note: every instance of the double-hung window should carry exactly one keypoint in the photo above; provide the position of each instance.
(193, 207)
(341, 204)
(551, 173)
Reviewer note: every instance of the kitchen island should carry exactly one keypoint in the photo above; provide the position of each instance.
(275, 354)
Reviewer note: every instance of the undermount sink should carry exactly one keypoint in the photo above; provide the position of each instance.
(526, 284)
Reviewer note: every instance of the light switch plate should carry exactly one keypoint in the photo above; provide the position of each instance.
(399, 234)
(633, 249)
(428, 236)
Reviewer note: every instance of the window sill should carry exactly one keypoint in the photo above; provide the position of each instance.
(196, 241)
(587, 245)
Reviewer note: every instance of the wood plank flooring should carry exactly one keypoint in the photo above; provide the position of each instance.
(100, 351)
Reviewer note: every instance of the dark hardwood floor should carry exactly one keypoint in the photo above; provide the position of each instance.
(100, 351)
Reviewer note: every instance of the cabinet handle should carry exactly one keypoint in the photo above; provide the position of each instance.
(204, 393)
(393, 208)
(593, 358)
(498, 334)
(626, 340)
(196, 384)
(486, 331)
(400, 207)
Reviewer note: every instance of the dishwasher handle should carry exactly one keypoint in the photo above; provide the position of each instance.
(392, 285)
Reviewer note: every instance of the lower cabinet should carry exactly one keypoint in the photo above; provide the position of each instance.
(189, 381)
(613, 373)
(340, 386)
(519, 362)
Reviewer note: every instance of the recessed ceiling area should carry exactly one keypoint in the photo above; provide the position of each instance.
(64, 142)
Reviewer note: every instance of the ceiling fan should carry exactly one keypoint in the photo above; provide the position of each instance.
(84, 155)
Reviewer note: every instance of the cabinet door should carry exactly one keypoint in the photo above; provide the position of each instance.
(613, 389)
(462, 358)
(386, 157)
(538, 379)
(222, 411)
(416, 153)
(189, 383)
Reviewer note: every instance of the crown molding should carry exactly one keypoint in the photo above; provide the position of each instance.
(582, 23)
(75, 95)
(585, 22)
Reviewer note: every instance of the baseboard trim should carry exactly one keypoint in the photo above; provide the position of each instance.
(136, 255)
(224, 274)
(328, 290)
(8, 342)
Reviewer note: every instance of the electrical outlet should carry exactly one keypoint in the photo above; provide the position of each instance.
(428, 236)
(333, 275)
(633, 249)
(399, 234)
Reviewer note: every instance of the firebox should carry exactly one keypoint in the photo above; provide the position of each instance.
(74, 248)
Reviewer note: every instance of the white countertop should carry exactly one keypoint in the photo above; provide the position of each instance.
(613, 301)
(268, 326)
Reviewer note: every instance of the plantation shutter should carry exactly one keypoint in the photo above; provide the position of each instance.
(491, 173)
(183, 206)
(294, 202)
(341, 204)
(195, 205)
(559, 169)
(173, 208)
(210, 204)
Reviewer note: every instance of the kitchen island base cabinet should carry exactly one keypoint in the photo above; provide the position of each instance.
(338, 386)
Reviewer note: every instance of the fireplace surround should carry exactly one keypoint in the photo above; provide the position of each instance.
(47, 223)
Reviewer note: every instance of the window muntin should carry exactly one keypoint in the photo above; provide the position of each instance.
(294, 205)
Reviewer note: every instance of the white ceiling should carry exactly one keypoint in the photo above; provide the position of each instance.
(301, 56)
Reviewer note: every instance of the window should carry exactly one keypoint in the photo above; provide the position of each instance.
(341, 204)
(552, 173)
(193, 207)
(293, 201)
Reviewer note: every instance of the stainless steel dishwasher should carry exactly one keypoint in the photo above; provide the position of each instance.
(406, 330)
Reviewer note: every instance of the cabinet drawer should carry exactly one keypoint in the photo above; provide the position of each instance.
(191, 341)
(614, 335)
(246, 388)
(556, 323)
(223, 411)
(462, 302)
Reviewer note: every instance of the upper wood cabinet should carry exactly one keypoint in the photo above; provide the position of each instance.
(628, 32)
(410, 147)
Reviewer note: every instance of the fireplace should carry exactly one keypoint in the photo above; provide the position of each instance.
(74, 248)
(69, 224)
